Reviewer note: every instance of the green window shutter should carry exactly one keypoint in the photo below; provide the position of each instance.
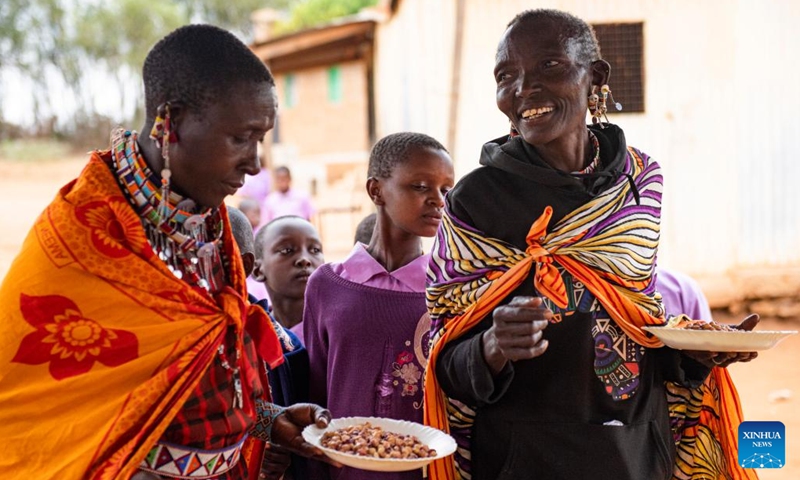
(335, 84)
(289, 91)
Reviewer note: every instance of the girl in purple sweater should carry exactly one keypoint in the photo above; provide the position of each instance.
(365, 321)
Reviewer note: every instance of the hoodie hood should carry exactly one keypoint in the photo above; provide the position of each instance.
(517, 157)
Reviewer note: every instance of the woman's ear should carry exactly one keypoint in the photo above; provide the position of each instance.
(258, 273)
(177, 114)
(601, 72)
(374, 190)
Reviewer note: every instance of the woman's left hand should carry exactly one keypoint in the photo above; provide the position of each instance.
(275, 463)
(723, 359)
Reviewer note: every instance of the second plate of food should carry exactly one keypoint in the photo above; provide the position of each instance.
(718, 340)
(380, 444)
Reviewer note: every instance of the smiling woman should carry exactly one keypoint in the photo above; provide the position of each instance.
(127, 308)
(541, 282)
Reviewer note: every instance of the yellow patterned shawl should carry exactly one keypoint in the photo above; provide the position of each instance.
(609, 245)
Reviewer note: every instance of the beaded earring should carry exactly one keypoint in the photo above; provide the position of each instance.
(597, 104)
(594, 99)
(162, 135)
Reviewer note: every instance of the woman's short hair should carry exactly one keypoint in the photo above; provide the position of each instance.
(570, 26)
(197, 64)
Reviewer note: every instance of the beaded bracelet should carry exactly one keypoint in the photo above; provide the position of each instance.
(266, 413)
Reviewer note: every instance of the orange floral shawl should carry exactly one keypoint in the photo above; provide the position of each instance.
(100, 344)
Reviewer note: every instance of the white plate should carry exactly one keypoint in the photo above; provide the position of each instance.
(718, 341)
(433, 438)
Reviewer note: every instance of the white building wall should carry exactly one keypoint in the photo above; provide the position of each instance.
(766, 109)
(719, 111)
(413, 69)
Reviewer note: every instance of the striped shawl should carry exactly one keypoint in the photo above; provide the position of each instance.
(609, 244)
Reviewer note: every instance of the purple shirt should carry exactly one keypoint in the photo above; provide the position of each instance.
(681, 294)
(368, 348)
(360, 267)
(293, 202)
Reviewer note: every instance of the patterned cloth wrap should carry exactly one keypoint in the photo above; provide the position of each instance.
(100, 344)
(609, 245)
(176, 461)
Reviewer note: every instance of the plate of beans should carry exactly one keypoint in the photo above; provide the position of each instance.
(380, 444)
(684, 334)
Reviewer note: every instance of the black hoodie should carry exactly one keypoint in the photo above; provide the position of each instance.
(544, 418)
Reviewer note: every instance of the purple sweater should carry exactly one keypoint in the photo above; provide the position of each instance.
(367, 348)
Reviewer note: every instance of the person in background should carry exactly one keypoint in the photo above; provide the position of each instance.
(124, 329)
(365, 228)
(285, 200)
(288, 381)
(288, 251)
(540, 284)
(252, 210)
(257, 187)
(681, 294)
(365, 323)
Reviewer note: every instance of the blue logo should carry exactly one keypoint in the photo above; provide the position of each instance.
(762, 444)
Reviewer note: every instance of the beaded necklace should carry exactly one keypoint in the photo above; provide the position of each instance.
(596, 160)
(189, 242)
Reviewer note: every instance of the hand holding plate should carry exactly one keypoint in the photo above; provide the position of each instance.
(723, 359)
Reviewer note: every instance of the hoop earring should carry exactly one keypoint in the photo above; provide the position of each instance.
(162, 135)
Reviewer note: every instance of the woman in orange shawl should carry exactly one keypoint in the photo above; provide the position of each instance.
(126, 341)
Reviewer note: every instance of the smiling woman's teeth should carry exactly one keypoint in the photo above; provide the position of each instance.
(536, 112)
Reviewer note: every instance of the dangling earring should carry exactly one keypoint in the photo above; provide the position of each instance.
(597, 104)
(593, 106)
(617, 105)
(162, 135)
(513, 132)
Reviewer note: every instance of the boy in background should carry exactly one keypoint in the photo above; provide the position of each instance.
(285, 200)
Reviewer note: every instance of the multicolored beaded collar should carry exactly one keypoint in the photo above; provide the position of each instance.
(596, 160)
(188, 241)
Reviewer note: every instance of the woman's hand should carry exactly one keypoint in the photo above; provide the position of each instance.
(275, 463)
(516, 333)
(723, 359)
(288, 427)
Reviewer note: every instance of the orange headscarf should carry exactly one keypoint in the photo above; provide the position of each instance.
(100, 344)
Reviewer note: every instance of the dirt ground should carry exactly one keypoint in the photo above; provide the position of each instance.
(769, 386)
